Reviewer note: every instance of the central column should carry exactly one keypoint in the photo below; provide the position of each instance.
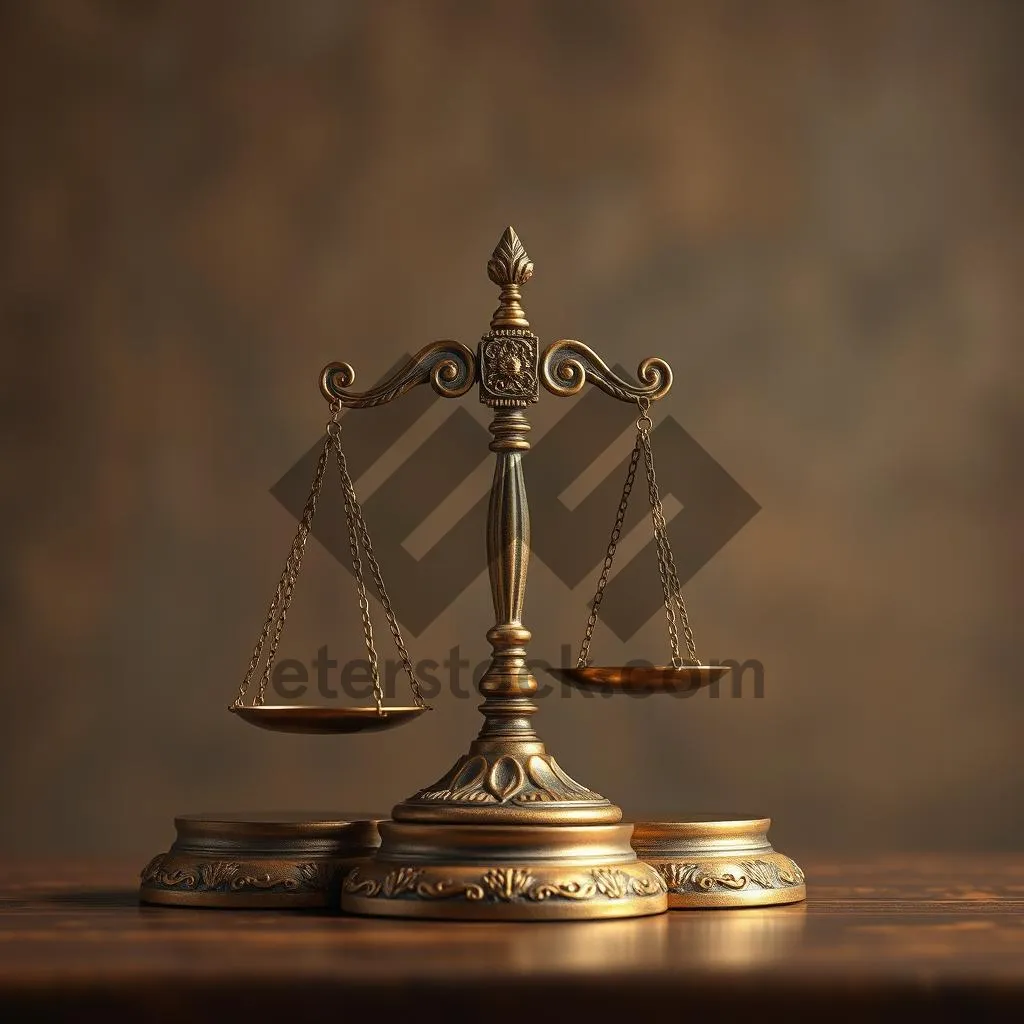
(508, 685)
(505, 833)
(507, 363)
(508, 775)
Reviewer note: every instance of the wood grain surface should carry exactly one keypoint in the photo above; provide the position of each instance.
(877, 938)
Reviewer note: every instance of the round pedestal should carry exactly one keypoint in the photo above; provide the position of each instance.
(257, 860)
(711, 861)
(504, 873)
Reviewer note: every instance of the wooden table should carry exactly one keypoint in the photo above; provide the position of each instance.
(876, 939)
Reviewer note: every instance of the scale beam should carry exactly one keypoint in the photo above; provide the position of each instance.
(448, 366)
(568, 364)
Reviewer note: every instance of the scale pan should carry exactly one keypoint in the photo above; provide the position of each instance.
(641, 678)
(325, 720)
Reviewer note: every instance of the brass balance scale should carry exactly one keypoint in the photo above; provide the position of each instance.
(506, 834)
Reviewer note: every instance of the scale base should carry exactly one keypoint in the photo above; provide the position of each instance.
(259, 860)
(504, 873)
(712, 861)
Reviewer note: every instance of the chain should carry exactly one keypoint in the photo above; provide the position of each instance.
(670, 587)
(348, 495)
(609, 557)
(389, 613)
(644, 424)
(684, 618)
(359, 536)
(279, 605)
(675, 607)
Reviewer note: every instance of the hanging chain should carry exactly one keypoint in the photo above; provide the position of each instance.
(671, 590)
(347, 495)
(644, 424)
(358, 536)
(609, 557)
(670, 587)
(282, 599)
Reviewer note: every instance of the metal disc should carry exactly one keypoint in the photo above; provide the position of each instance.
(723, 860)
(641, 678)
(266, 860)
(325, 720)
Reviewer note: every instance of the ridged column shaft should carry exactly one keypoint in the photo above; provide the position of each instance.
(508, 685)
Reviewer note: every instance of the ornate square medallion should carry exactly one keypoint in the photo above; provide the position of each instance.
(508, 367)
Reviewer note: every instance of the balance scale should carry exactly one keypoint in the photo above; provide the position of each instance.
(505, 834)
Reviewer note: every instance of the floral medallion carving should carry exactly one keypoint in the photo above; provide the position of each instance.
(509, 367)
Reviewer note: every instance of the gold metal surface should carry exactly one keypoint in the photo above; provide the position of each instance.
(509, 268)
(508, 776)
(442, 366)
(508, 872)
(568, 364)
(641, 678)
(448, 366)
(686, 673)
(709, 861)
(321, 720)
(506, 833)
(260, 859)
(507, 783)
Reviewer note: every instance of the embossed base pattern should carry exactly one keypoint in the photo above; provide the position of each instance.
(723, 862)
(503, 893)
(504, 872)
(479, 779)
(259, 859)
(763, 881)
(504, 786)
(198, 881)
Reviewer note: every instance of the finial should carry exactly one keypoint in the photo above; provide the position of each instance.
(509, 267)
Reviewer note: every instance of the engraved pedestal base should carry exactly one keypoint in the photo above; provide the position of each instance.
(253, 860)
(711, 861)
(504, 873)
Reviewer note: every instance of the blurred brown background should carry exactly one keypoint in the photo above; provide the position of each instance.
(812, 209)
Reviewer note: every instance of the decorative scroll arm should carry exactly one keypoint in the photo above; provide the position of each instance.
(448, 366)
(566, 365)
